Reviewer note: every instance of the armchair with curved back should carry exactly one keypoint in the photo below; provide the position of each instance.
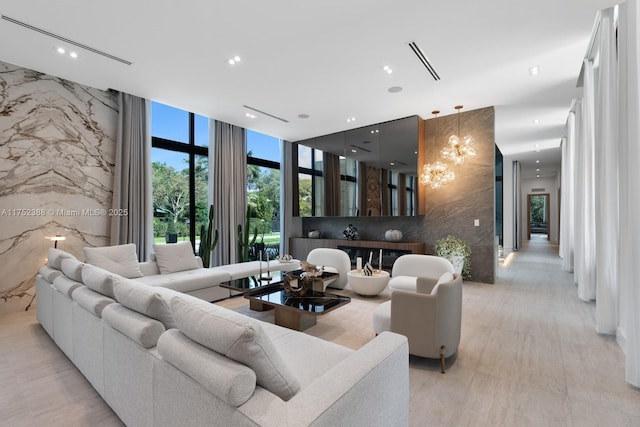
(333, 260)
(430, 317)
(407, 268)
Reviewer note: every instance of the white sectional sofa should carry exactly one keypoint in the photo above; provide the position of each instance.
(160, 357)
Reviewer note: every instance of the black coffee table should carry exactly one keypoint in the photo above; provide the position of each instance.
(248, 284)
(293, 312)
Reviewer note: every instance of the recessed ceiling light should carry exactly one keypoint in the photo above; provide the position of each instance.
(60, 50)
(351, 119)
(73, 55)
(353, 150)
(387, 69)
(395, 89)
(534, 71)
(375, 131)
(303, 116)
(537, 161)
(537, 176)
(234, 60)
(251, 116)
(536, 121)
(538, 170)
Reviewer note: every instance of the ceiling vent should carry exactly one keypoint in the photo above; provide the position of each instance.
(64, 39)
(537, 190)
(266, 114)
(424, 60)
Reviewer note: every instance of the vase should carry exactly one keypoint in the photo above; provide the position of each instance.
(314, 234)
(393, 235)
(351, 233)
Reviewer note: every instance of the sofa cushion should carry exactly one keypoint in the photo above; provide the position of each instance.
(66, 286)
(187, 280)
(403, 283)
(72, 268)
(119, 259)
(143, 299)
(49, 274)
(55, 257)
(173, 257)
(98, 279)
(227, 379)
(237, 337)
(91, 301)
(139, 328)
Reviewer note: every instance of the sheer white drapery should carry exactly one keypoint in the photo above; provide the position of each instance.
(568, 192)
(132, 177)
(229, 182)
(585, 262)
(606, 175)
(629, 205)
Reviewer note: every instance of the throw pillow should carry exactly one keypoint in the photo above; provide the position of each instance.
(143, 299)
(98, 279)
(119, 259)
(72, 268)
(239, 338)
(173, 257)
(55, 257)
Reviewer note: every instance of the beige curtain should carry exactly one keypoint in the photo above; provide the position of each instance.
(228, 176)
(132, 219)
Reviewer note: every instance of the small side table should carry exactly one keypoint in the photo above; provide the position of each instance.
(368, 285)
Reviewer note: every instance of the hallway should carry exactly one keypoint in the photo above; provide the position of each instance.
(529, 355)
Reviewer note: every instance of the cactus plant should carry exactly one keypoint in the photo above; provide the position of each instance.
(244, 244)
(208, 240)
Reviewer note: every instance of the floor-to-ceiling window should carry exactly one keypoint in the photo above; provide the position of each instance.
(263, 191)
(180, 173)
(348, 186)
(310, 186)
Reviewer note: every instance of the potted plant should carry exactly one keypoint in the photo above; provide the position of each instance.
(172, 234)
(458, 252)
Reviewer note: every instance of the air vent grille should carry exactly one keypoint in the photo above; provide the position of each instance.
(266, 114)
(64, 39)
(537, 190)
(424, 60)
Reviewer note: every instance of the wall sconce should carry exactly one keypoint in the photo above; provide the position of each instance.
(459, 148)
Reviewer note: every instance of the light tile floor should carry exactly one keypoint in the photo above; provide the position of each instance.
(529, 356)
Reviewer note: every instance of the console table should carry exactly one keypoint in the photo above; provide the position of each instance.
(300, 247)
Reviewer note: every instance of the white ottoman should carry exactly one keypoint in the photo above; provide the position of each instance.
(382, 318)
(368, 285)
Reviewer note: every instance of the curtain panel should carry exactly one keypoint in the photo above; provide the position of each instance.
(331, 175)
(132, 221)
(629, 203)
(229, 184)
(606, 176)
(289, 204)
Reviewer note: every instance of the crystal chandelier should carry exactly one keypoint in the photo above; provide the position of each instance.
(436, 175)
(459, 148)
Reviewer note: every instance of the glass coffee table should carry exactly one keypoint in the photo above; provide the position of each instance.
(293, 312)
(251, 283)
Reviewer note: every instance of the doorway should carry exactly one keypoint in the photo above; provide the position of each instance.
(538, 214)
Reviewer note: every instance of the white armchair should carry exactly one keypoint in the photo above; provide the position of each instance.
(333, 260)
(407, 268)
(430, 318)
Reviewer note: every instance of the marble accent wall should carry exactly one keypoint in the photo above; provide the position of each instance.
(57, 147)
(453, 208)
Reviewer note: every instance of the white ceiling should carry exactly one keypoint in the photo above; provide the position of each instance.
(325, 59)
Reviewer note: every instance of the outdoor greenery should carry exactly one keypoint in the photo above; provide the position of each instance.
(452, 246)
(305, 200)
(538, 209)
